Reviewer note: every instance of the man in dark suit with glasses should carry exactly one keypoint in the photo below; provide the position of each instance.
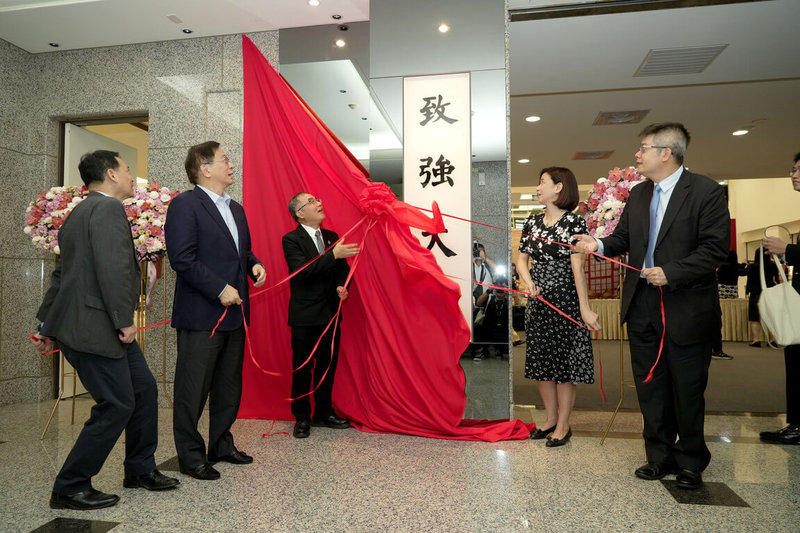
(315, 296)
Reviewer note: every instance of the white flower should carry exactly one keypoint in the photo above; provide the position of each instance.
(165, 197)
(139, 202)
(609, 214)
(153, 194)
(599, 231)
(27, 229)
(602, 180)
(141, 239)
(608, 204)
(56, 250)
(49, 195)
(158, 221)
(156, 246)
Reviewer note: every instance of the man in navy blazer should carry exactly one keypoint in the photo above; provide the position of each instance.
(314, 299)
(676, 228)
(208, 244)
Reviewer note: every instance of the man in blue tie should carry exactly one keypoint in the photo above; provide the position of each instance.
(313, 301)
(676, 228)
(208, 243)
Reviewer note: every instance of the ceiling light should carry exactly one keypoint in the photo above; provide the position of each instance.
(740, 132)
(533, 118)
(336, 17)
(523, 161)
(187, 31)
(444, 28)
(54, 45)
(528, 196)
(313, 3)
(340, 43)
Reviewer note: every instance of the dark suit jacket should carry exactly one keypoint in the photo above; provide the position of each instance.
(313, 299)
(95, 286)
(203, 253)
(693, 240)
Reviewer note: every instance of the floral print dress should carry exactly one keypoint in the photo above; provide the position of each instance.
(557, 349)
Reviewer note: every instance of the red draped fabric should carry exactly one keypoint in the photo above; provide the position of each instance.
(402, 330)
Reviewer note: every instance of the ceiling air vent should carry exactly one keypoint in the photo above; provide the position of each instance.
(667, 61)
(613, 118)
(582, 156)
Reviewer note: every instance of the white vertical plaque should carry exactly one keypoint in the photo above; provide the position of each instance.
(437, 161)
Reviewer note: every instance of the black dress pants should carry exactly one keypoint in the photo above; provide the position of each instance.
(127, 399)
(792, 355)
(672, 403)
(309, 376)
(207, 369)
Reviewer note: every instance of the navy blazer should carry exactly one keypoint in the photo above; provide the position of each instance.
(694, 238)
(313, 300)
(203, 254)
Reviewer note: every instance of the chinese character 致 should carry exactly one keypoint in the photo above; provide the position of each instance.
(430, 109)
(440, 172)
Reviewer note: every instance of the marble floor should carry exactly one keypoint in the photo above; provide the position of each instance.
(346, 480)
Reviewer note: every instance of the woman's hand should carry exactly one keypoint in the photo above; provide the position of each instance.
(533, 290)
(591, 319)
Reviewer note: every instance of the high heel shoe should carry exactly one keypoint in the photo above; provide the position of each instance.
(542, 433)
(553, 442)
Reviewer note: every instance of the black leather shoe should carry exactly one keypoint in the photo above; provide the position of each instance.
(553, 442)
(788, 435)
(203, 471)
(331, 421)
(302, 428)
(236, 457)
(755, 344)
(653, 471)
(83, 501)
(542, 433)
(689, 479)
(154, 480)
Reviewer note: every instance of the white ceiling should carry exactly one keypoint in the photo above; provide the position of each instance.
(33, 24)
(567, 70)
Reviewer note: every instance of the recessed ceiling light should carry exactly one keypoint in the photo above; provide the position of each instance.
(336, 17)
(523, 161)
(444, 28)
(54, 45)
(343, 91)
(314, 3)
(340, 43)
(740, 132)
(533, 118)
(187, 31)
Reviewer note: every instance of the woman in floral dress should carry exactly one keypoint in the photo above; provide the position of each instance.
(559, 352)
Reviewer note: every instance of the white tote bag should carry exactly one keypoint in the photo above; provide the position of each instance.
(779, 307)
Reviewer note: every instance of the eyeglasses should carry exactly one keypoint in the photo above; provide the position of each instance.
(224, 158)
(644, 147)
(310, 201)
(794, 171)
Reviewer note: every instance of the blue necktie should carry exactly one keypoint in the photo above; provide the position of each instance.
(653, 236)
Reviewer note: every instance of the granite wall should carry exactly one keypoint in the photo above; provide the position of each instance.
(190, 89)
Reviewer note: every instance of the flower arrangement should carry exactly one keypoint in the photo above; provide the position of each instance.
(45, 215)
(605, 203)
(147, 212)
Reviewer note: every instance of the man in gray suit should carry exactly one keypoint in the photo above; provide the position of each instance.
(88, 311)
